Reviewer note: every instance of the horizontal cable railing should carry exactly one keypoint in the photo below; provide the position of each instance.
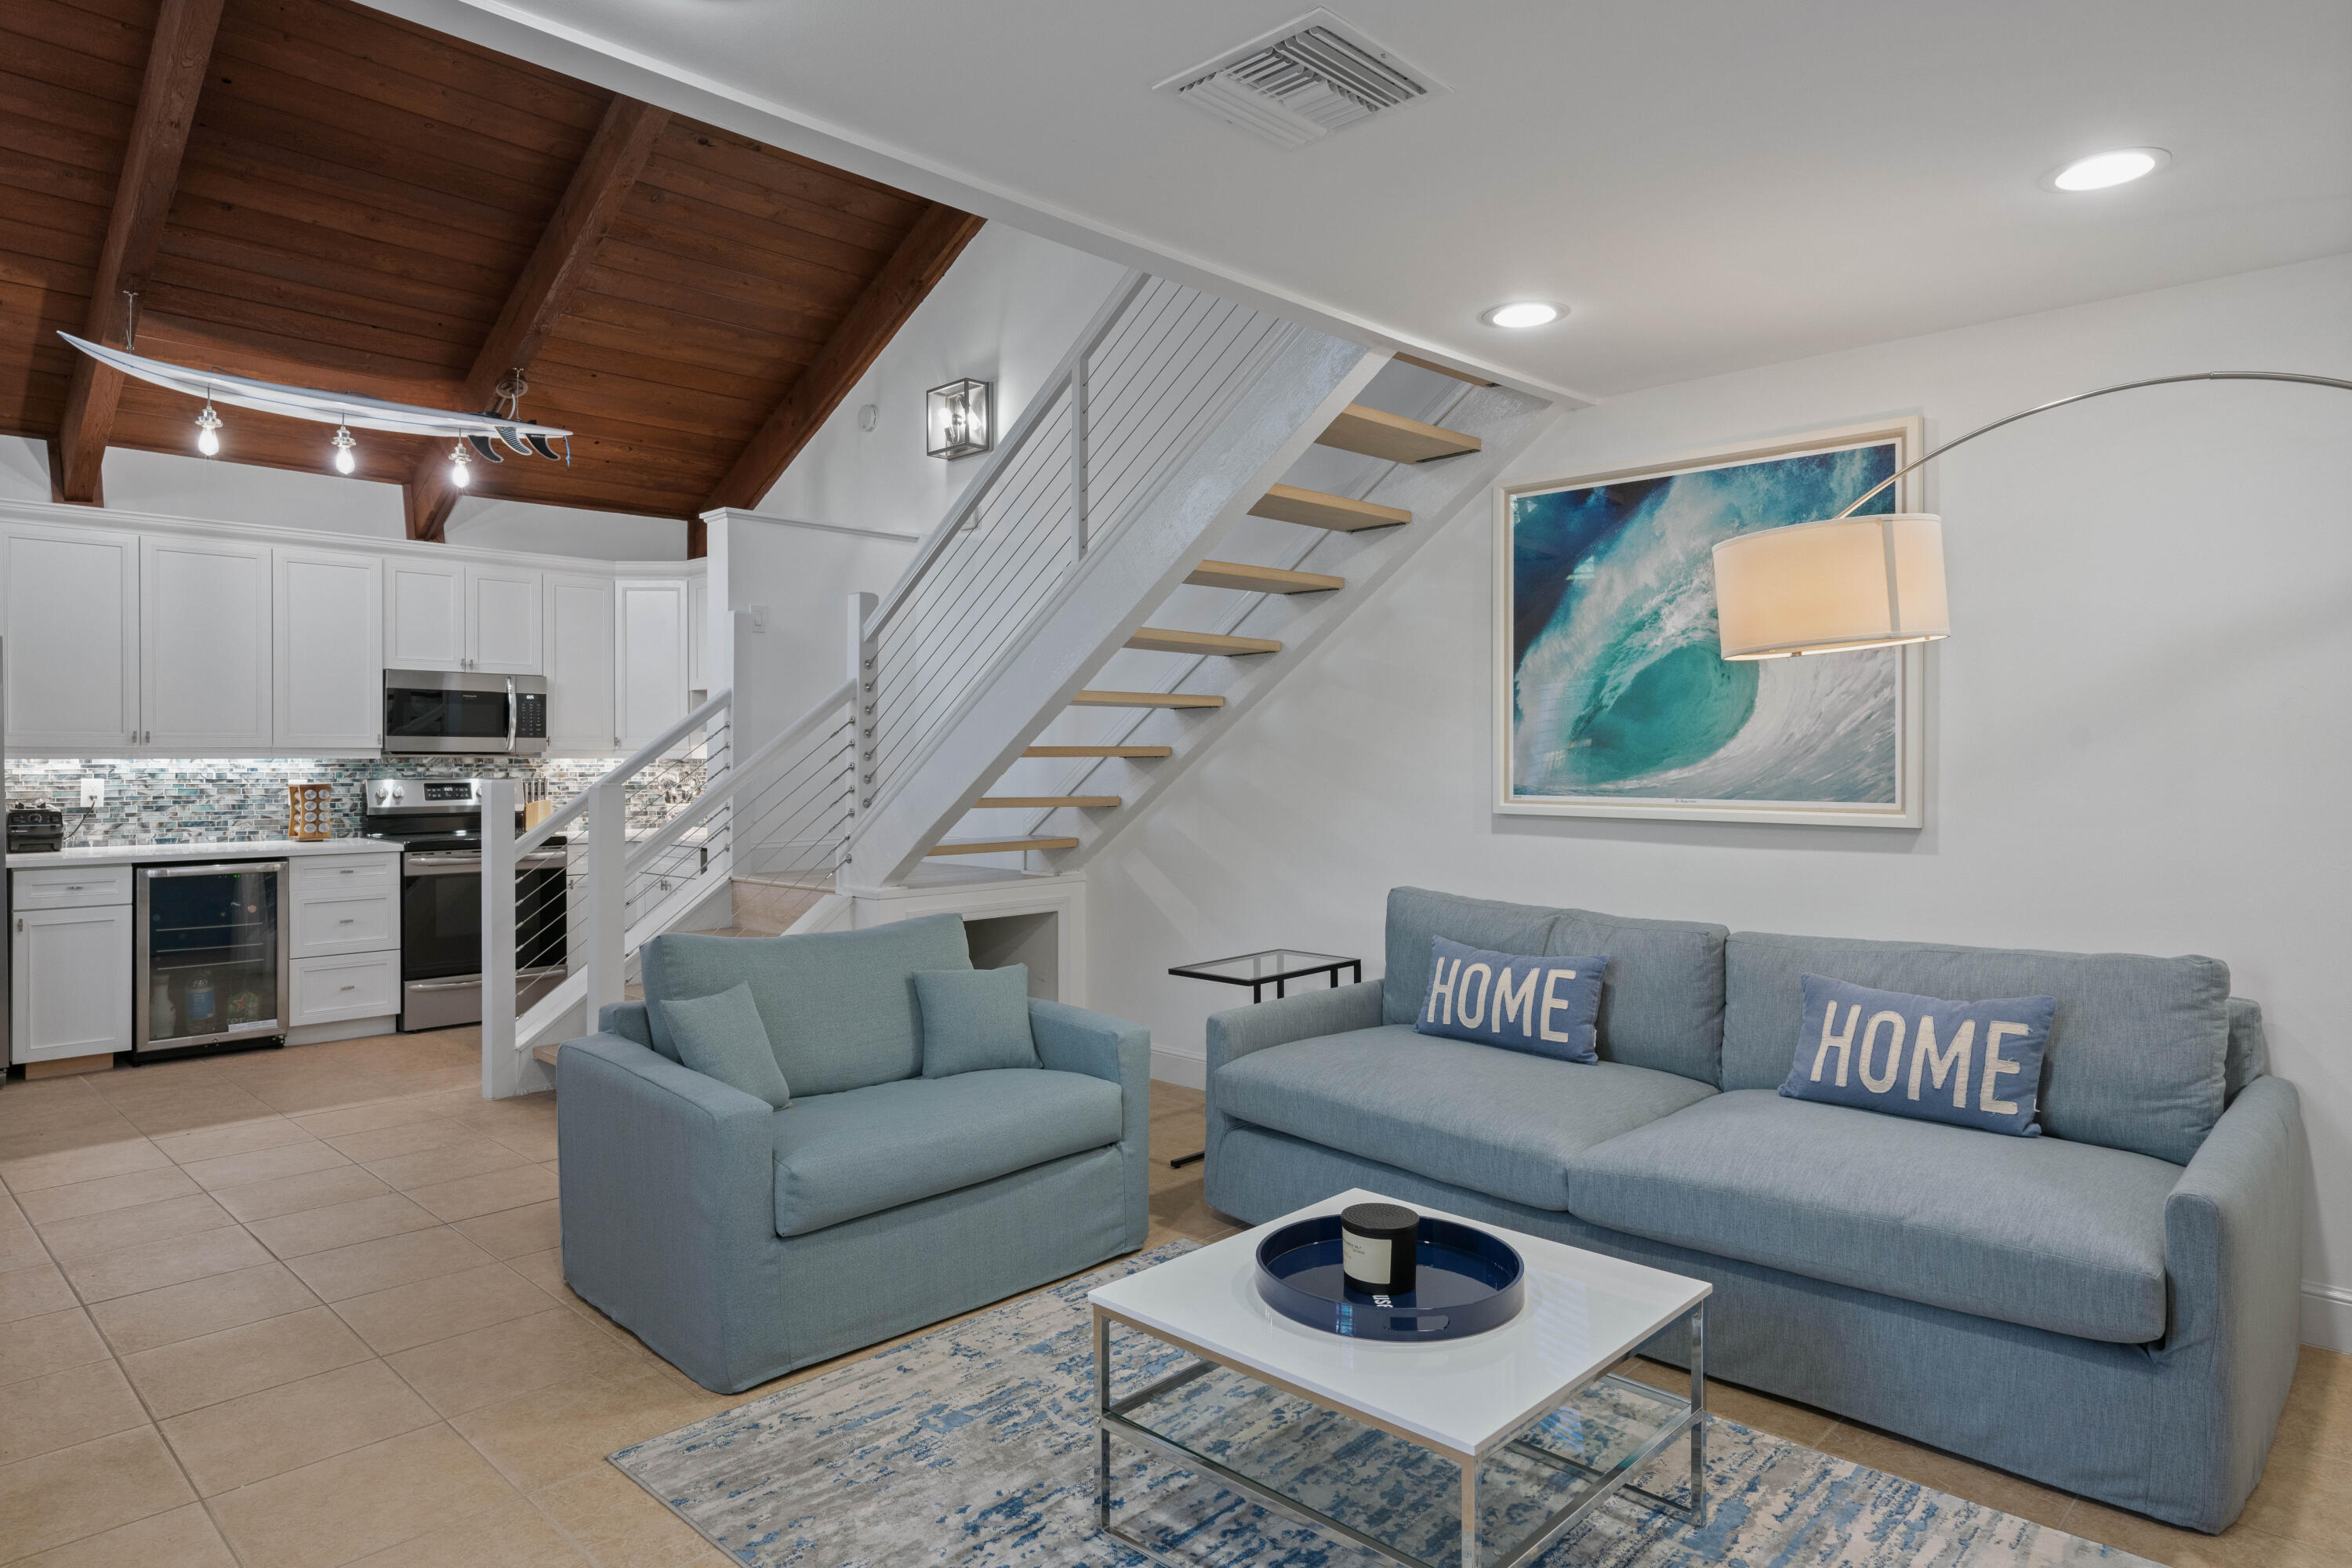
(1141, 389)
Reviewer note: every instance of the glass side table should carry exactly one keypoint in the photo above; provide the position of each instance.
(1275, 966)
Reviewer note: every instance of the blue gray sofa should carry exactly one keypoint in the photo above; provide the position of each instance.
(2110, 1309)
(741, 1242)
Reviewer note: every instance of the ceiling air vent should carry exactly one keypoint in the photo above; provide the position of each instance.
(1302, 81)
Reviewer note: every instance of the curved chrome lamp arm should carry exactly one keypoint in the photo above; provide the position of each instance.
(2080, 396)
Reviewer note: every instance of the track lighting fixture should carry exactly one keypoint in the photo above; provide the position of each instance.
(209, 426)
(461, 465)
(345, 461)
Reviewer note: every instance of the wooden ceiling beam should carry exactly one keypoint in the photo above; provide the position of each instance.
(921, 260)
(617, 155)
(176, 62)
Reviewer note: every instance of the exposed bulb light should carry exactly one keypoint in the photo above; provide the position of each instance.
(209, 426)
(344, 443)
(2102, 171)
(1523, 313)
(461, 465)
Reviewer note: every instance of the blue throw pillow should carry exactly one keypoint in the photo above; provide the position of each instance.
(1973, 1063)
(1542, 1006)
(974, 1019)
(722, 1036)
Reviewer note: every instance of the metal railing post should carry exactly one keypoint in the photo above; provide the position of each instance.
(865, 651)
(607, 884)
(501, 1071)
(1078, 458)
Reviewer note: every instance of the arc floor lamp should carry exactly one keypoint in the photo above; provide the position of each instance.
(1848, 581)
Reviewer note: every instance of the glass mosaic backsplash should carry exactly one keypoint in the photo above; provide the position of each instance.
(171, 800)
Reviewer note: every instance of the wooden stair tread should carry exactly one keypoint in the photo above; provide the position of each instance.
(1146, 700)
(1159, 639)
(999, 846)
(547, 1054)
(1099, 751)
(1261, 579)
(1404, 358)
(1342, 514)
(1392, 437)
(995, 802)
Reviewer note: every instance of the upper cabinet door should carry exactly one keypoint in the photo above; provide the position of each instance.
(579, 665)
(651, 663)
(328, 638)
(204, 645)
(72, 598)
(423, 614)
(503, 620)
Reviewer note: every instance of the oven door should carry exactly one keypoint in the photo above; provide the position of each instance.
(447, 711)
(441, 935)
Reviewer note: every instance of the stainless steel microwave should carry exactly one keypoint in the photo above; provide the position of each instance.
(464, 711)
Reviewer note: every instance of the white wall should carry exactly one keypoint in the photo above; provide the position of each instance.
(1007, 312)
(2138, 735)
(489, 524)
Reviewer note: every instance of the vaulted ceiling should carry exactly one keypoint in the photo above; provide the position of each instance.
(312, 191)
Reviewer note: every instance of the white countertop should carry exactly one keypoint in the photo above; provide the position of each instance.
(235, 850)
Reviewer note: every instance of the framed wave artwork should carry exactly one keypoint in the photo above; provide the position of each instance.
(1614, 698)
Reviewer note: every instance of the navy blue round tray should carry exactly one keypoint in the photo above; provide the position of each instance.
(1464, 1283)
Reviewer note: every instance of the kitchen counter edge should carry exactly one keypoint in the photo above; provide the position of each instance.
(164, 854)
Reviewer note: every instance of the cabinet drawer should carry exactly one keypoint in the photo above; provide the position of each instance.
(341, 875)
(71, 886)
(329, 990)
(363, 924)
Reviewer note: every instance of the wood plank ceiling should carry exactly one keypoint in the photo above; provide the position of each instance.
(360, 203)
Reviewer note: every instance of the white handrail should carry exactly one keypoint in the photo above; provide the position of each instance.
(699, 808)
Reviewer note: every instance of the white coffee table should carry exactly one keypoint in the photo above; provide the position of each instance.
(1322, 1427)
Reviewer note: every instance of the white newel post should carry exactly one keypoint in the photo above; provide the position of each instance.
(608, 862)
(501, 1072)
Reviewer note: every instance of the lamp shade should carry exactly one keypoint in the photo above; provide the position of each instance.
(1827, 587)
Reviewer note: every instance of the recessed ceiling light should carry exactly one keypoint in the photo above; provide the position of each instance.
(1523, 313)
(2102, 170)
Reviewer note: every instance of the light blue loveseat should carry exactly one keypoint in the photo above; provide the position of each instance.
(741, 1242)
(2110, 1309)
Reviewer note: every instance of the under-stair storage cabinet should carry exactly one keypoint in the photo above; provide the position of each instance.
(70, 963)
(204, 646)
(651, 657)
(580, 670)
(461, 615)
(72, 606)
(328, 643)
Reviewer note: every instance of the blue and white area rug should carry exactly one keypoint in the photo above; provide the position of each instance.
(975, 1446)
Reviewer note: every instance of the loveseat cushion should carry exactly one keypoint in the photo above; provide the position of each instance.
(838, 1006)
(1500, 1122)
(862, 1150)
(2057, 1235)
(1661, 999)
(2134, 1058)
(1416, 916)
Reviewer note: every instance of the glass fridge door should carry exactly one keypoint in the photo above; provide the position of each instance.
(212, 964)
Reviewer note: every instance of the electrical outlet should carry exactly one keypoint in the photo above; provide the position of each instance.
(93, 792)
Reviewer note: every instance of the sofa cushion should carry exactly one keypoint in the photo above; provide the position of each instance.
(862, 1150)
(1661, 1000)
(1417, 916)
(974, 1018)
(2057, 1235)
(2249, 1055)
(1548, 1009)
(722, 1036)
(1500, 1122)
(1970, 1064)
(838, 1006)
(2136, 1051)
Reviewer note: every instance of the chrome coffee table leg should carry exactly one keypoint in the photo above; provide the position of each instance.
(1699, 1416)
(1102, 1408)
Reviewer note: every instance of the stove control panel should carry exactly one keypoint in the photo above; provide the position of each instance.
(424, 794)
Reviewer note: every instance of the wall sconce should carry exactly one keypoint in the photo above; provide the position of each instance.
(959, 422)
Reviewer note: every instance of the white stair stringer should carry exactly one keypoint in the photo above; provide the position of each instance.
(1435, 494)
(1101, 604)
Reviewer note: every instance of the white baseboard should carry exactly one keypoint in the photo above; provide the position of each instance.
(1174, 1067)
(349, 1029)
(2326, 1316)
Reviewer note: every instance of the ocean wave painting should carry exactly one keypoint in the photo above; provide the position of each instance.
(1618, 689)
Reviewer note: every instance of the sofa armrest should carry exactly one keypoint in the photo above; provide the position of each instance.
(1072, 1039)
(668, 1202)
(1332, 1011)
(627, 1021)
(2234, 1256)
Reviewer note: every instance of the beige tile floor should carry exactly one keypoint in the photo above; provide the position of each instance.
(304, 1308)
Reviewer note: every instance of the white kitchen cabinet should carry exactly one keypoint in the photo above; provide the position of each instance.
(423, 614)
(204, 645)
(333, 990)
(502, 612)
(72, 604)
(70, 983)
(327, 646)
(649, 645)
(580, 668)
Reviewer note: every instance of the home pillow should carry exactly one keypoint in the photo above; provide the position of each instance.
(1974, 1064)
(722, 1036)
(974, 1019)
(1542, 1006)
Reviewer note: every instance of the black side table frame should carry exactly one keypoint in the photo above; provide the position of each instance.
(1275, 966)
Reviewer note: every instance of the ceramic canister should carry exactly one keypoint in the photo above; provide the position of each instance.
(1376, 1248)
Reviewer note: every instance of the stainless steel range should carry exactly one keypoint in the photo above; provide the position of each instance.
(438, 825)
